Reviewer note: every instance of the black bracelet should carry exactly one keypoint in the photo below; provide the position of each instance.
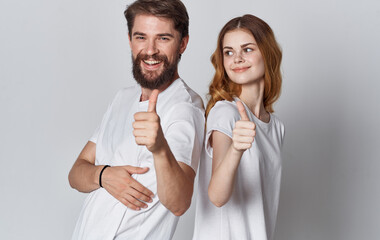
(100, 175)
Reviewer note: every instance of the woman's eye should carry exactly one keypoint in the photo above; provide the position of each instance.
(248, 49)
(228, 53)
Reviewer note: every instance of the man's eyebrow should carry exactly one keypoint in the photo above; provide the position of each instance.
(165, 35)
(138, 33)
(160, 34)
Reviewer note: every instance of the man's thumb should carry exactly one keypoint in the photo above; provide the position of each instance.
(153, 100)
(136, 170)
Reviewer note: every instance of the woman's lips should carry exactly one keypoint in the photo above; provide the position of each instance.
(240, 69)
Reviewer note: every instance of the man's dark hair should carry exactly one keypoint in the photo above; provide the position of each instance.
(171, 9)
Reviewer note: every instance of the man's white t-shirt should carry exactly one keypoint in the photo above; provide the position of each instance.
(251, 211)
(181, 113)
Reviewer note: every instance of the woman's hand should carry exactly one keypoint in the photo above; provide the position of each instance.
(244, 131)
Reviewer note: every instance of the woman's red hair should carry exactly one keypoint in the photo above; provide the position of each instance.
(222, 88)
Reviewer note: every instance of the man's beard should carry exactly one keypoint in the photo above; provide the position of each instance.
(150, 79)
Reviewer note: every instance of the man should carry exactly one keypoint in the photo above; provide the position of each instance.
(151, 136)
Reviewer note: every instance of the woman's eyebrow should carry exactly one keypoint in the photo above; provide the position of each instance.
(246, 44)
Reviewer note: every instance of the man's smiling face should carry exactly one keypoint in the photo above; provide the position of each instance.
(156, 48)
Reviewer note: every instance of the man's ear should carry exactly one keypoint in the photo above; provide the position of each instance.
(183, 44)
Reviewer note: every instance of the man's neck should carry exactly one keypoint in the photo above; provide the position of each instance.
(146, 92)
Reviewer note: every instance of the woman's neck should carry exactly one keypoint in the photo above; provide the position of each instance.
(253, 96)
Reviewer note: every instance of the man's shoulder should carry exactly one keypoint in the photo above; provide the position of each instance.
(127, 93)
(181, 93)
(133, 89)
(180, 103)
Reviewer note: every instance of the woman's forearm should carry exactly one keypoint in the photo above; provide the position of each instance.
(223, 177)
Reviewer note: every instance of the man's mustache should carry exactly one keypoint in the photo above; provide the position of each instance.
(155, 57)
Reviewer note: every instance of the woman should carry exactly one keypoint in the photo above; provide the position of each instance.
(239, 175)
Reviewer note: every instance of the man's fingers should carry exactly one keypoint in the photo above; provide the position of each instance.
(136, 170)
(153, 100)
(128, 204)
(242, 111)
(132, 203)
(136, 202)
(139, 187)
(144, 117)
(140, 196)
(142, 141)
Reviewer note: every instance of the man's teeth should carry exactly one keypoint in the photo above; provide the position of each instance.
(151, 62)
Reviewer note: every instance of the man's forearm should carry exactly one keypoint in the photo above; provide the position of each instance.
(174, 182)
(84, 176)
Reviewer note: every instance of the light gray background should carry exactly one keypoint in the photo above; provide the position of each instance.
(62, 61)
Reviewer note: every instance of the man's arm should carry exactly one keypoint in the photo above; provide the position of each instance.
(84, 177)
(175, 180)
(83, 174)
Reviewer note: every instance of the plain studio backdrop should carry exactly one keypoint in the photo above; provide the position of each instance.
(62, 61)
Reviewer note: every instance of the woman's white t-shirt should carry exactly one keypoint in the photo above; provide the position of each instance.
(251, 211)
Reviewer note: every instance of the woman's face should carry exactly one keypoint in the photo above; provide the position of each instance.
(242, 58)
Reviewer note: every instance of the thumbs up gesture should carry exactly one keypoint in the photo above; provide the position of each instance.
(147, 127)
(244, 131)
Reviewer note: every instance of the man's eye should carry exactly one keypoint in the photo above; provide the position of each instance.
(140, 37)
(164, 39)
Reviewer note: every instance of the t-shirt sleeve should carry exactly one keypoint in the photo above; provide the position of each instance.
(95, 135)
(222, 118)
(185, 133)
(282, 134)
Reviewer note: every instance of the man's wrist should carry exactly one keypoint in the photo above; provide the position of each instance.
(101, 174)
(162, 151)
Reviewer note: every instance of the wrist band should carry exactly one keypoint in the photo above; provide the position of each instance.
(100, 175)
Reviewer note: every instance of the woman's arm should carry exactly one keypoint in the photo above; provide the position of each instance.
(227, 153)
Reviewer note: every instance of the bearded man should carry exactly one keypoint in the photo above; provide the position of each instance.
(139, 166)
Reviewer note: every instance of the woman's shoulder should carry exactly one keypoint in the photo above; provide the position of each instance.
(224, 111)
(224, 107)
(278, 124)
(276, 120)
(222, 117)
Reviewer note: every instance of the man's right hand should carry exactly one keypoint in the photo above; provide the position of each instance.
(121, 185)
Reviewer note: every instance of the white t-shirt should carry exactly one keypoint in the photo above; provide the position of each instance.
(181, 113)
(251, 211)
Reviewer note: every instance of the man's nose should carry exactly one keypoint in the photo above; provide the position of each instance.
(151, 48)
